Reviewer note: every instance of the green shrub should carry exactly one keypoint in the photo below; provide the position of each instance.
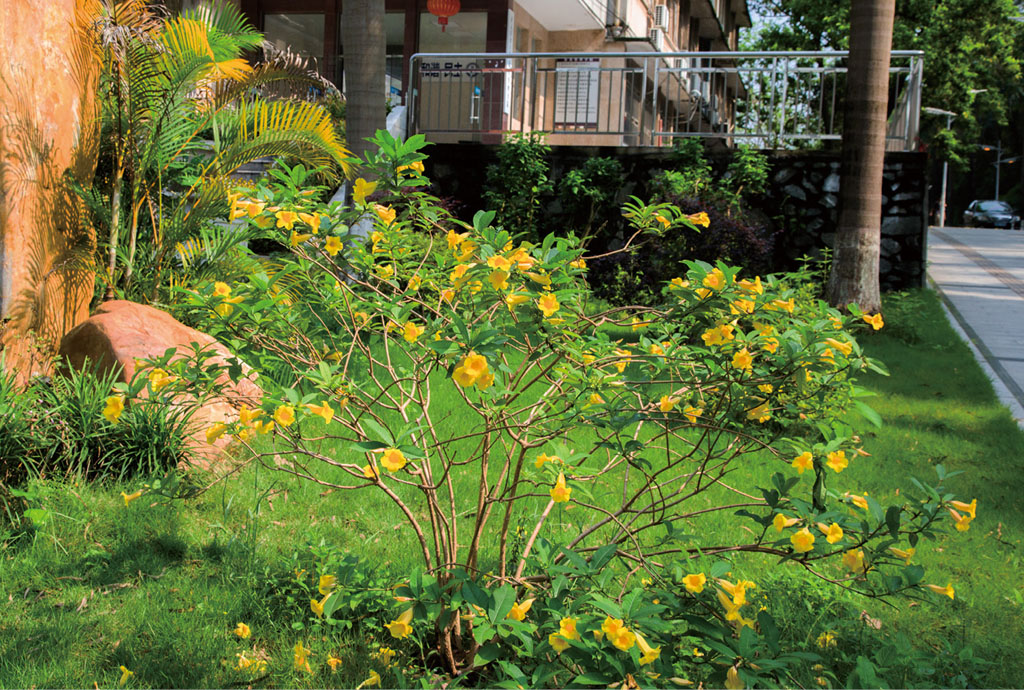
(518, 182)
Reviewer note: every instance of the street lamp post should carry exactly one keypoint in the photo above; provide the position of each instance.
(999, 161)
(945, 163)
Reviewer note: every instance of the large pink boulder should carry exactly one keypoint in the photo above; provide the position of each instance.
(121, 334)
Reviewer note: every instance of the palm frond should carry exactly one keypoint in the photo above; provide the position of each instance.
(226, 21)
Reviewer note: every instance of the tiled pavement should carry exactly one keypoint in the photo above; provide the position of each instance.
(980, 275)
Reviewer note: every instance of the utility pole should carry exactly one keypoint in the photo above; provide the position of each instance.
(945, 163)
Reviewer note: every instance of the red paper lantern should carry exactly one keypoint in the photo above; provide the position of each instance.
(442, 9)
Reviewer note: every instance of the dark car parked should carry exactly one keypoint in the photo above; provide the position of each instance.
(991, 214)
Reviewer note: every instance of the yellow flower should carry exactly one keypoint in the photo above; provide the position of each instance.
(624, 639)
(742, 306)
(327, 584)
(803, 541)
(667, 403)
(414, 283)
(699, 219)
(253, 208)
(284, 415)
(324, 410)
(410, 331)
(753, 286)
(543, 458)
(837, 461)
(826, 639)
(963, 522)
(761, 413)
(333, 245)
(694, 582)
(663, 220)
(766, 388)
(374, 679)
(833, 533)
(969, 508)
(648, 654)
(737, 591)
(369, 472)
(718, 335)
(743, 360)
(579, 264)
(519, 610)
(498, 280)
(595, 399)
(455, 239)
(560, 493)
(302, 658)
(938, 589)
(296, 238)
(393, 460)
(247, 663)
(787, 305)
(770, 345)
(781, 522)
(459, 273)
(286, 219)
(362, 189)
(567, 629)
(215, 432)
(401, 627)
(263, 428)
(845, 348)
(678, 284)
(499, 263)
(905, 555)
(243, 631)
(714, 280)
(334, 662)
(558, 643)
(385, 655)
(513, 300)
(874, 320)
(854, 560)
(548, 304)
(472, 368)
(318, 606)
(312, 220)
(656, 349)
(114, 408)
(125, 675)
(416, 166)
(385, 271)
(692, 413)
(128, 498)
(385, 213)
(611, 626)
(733, 680)
(159, 379)
(859, 501)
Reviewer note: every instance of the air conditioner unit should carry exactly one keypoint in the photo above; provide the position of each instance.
(661, 16)
(656, 37)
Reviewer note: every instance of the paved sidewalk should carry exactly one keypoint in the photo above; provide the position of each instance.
(980, 275)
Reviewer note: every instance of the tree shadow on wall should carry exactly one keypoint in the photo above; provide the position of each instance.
(36, 202)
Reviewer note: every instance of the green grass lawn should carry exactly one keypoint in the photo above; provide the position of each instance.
(159, 587)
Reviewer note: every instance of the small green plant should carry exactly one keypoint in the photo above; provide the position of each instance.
(517, 183)
(588, 194)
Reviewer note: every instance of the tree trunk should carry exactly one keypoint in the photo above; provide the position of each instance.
(362, 30)
(854, 277)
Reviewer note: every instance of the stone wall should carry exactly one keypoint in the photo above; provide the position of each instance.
(48, 125)
(802, 201)
(805, 187)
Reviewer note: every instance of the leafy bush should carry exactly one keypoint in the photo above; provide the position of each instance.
(577, 502)
(518, 182)
(589, 193)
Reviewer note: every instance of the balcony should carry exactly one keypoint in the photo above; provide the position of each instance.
(568, 15)
(767, 99)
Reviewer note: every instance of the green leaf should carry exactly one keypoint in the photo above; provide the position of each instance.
(369, 446)
(38, 516)
(892, 520)
(868, 413)
(502, 603)
(592, 678)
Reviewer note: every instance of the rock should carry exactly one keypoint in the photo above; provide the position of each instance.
(795, 192)
(122, 333)
(831, 184)
(890, 247)
(784, 175)
(830, 200)
(893, 226)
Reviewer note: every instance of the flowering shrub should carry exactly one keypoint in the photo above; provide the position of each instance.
(565, 487)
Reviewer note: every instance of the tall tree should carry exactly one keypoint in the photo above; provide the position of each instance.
(854, 277)
(362, 32)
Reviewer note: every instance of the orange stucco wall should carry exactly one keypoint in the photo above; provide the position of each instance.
(48, 76)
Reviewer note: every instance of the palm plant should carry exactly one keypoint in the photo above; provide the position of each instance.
(167, 82)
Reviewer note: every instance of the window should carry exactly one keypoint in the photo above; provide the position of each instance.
(301, 33)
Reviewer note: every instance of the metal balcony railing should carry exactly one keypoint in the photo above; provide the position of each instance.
(768, 99)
